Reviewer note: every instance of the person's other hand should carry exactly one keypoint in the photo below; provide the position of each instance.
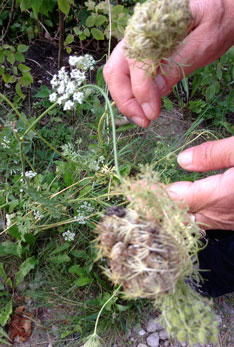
(210, 199)
(139, 97)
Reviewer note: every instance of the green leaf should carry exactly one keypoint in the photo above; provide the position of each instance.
(24, 269)
(64, 6)
(79, 254)
(121, 308)
(30, 239)
(19, 91)
(23, 68)
(61, 248)
(97, 34)
(13, 231)
(8, 248)
(1, 56)
(118, 9)
(90, 21)
(2, 69)
(2, 272)
(22, 48)
(99, 77)
(25, 4)
(10, 57)
(76, 269)
(82, 36)
(83, 281)
(77, 31)
(42, 93)
(210, 92)
(26, 79)
(5, 313)
(69, 39)
(87, 32)
(3, 333)
(100, 19)
(62, 258)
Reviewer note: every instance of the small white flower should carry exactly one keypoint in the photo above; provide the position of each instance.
(70, 87)
(79, 97)
(68, 235)
(30, 174)
(53, 97)
(72, 60)
(38, 215)
(8, 220)
(68, 105)
(5, 142)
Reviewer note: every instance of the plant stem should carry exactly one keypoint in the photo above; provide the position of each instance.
(113, 125)
(99, 313)
(38, 119)
(100, 124)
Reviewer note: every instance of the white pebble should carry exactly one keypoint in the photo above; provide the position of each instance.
(153, 340)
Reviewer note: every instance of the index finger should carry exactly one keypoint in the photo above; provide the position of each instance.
(117, 75)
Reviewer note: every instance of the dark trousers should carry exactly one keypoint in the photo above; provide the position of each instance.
(218, 259)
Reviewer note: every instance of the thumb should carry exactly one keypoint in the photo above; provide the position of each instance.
(212, 155)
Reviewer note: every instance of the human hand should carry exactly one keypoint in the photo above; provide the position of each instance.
(139, 97)
(210, 199)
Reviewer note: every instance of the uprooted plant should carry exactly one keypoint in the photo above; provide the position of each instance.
(151, 248)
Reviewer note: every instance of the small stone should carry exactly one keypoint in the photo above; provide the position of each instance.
(163, 335)
(137, 328)
(153, 326)
(153, 340)
(141, 345)
(142, 332)
(166, 343)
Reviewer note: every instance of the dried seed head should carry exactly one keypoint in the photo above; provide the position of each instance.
(148, 248)
(156, 28)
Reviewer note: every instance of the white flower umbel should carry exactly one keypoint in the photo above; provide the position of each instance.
(66, 86)
(68, 235)
(30, 174)
(83, 212)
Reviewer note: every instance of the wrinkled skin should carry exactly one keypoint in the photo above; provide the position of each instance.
(210, 35)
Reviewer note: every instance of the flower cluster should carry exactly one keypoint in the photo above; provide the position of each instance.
(68, 235)
(38, 215)
(66, 86)
(84, 210)
(5, 142)
(30, 174)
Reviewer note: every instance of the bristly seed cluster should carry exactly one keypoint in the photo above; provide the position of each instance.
(151, 248)
(155, 29)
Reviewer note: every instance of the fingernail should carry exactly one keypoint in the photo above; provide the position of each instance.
(185, 158)
(148, 111)
(161, 84)
(139, 121)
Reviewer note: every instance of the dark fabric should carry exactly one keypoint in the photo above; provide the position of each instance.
(218, 259)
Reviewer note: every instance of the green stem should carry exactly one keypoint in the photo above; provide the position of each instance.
(113, 125)
(104, 305)
(100, 124)
(38, 119)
